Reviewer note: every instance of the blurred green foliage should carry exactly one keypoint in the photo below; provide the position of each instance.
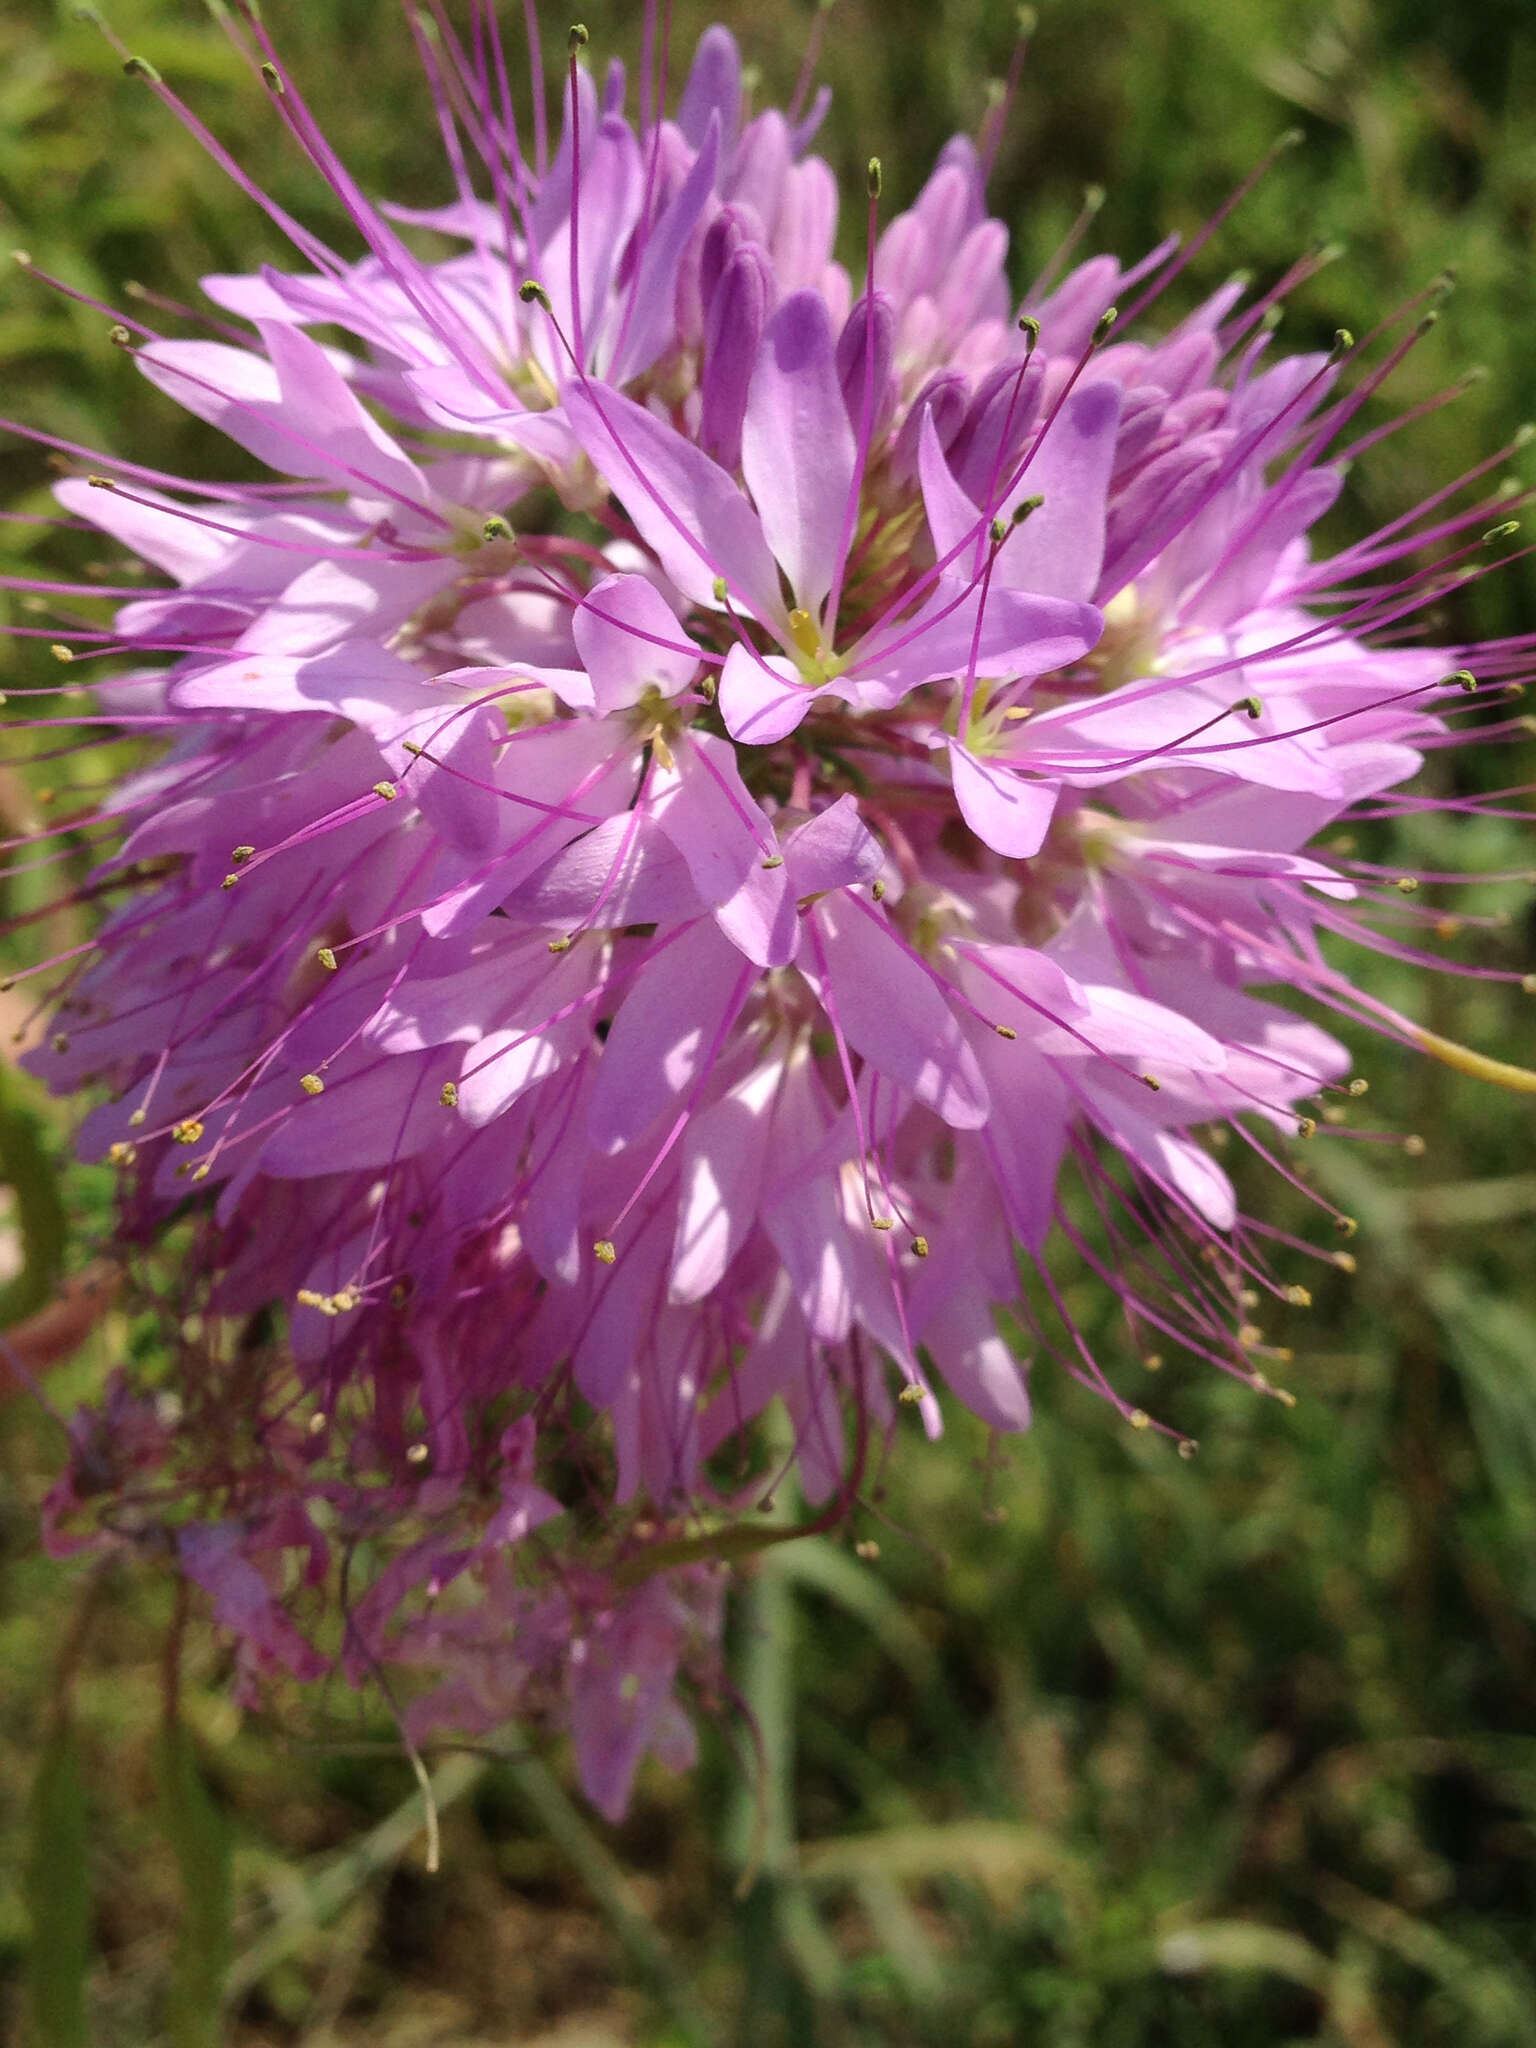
(1237, 1751)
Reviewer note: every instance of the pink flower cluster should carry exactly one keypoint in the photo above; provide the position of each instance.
(705, 794)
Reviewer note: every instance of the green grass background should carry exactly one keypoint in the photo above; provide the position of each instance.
(1104, 1748)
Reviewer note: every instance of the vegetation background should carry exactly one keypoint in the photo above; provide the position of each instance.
(1105, 1748)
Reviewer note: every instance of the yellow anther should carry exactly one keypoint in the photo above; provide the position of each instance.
(1249, 1335)
(1346, 1262)
(121, 1154)
(318, 1423)
(188, 1131)
(1359, 1085)
(1346, 1226)
(1151, 1081)
(869, 1550)
(877, 890)
(919, 1247)
(774, 860)
(229, 881)
(1139, 1419)
(559, 945)
(138, 1117)
(311, 1084)
(1298, 1297)
(802, 630)
(883, 1222)
(1153, 1361)
(241, 855)
(60, 652)
(327, 959)
(604, 1251)
(308, 1298)
(1187, 1448)
(387, 790)
(910, 1395)
(1306, 1127)
(1406, 885)
(200, 1172)
(1005, 1031)
(1414, 1146)
(417, 1454)
(449, 1097)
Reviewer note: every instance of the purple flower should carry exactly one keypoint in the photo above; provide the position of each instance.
(597, 987)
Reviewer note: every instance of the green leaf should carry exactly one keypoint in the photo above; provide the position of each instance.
(198, 1831)
(27, 1167)
(58, 1896)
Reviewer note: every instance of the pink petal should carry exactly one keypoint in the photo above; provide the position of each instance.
(797, 446)
(1008, 812)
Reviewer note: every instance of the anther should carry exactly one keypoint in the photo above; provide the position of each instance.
(721, 590)
(1139, 1419)
(1359, 1086)
(1528, 984)
(497, 528)
(188, 1131)
(919, 1247)
(1187, 1448)
(138, 1118)
(1414, 1146)
(311, 1084)
(272, 79)
(327, 959)
(1105, 326)
(1346, 1226)
(532, 293)
(578, 38)
(1506, 530)
(774, 860)
(872, 177)
(1153, 1361)
(1252, 706)
(910, 1395)
(1298, 1297)
(869, 1550)
(997, 532)
(318, 1422)
(101, 483)
(1406, 885)
(140, 67)
(120, 336)
(229, 881)
(449, 1097)
(561, 945)
(877, 891)
(883, 1222)
(308, 1298)
(1306, 1127)
(417, 1454)
(1346, 1262)
(240, 855)
(387, 790)
(1151, 1081)
(60, 652)
(122, 1154)
(1026, 506)
(802, 630)
(1029, 327)
(604, 1252)
(1343, 342)
(1005, 1031)
(199, 1172)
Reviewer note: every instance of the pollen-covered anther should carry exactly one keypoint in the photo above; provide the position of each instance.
(1346, 1262)
(1298, 1297)
(603, 1251)
(560, 945)
(311, 1084)
(309, 1297)
(1528, 984)
(417, 1454)
(1249, 1335)
(122, 1154)
(1359, 1085)
(877, 891)
(1306, 1127)
(188, 1131)
(883, 1222)
(919, 1247)
(1153, 1361)
(1025, 507)
(867, 1548)
(803, 631)
(1005, 1031)
(1151, 1081)
(240, 855)
(1346, 1226)
(1139, 1419)
(1406, 885)
(230, 880)
(774, 860)
(137, 1118)
(449, 1097)
(318, 1423)
(326, 958)
(386, 790)
(496, 528)
(60, 652)
(1188, 1448)
(1414, 1146)
(911, 1394)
